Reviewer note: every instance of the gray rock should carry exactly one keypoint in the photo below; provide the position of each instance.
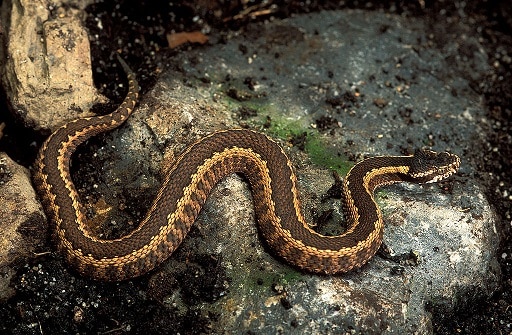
(390, 95)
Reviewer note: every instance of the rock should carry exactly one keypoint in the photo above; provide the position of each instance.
(46, 66)
(446, 229)
(23, 223)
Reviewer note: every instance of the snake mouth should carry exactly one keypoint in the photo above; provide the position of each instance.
(429, 166)
(440, 175)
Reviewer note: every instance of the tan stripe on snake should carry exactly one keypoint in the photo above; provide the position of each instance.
(188, 184)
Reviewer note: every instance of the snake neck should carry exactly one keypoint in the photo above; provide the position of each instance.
(378, 171)
(362, 181)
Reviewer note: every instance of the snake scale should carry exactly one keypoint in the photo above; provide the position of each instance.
(188, 184)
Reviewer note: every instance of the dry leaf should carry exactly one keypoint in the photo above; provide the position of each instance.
(177, 39)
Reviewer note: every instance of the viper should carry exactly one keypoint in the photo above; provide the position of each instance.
(191, 179)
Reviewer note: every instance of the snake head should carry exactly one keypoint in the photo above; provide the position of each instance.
(428, 166)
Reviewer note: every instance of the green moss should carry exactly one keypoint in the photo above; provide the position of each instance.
(298, 132)
(259, 280)
(320, 154)
(290, 276)
(318, 148)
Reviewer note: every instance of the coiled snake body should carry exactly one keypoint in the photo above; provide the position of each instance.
(188, 184)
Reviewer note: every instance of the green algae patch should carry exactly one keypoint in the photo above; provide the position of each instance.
(318, 148)
(259, 281)
(258, 114)
(320, 154)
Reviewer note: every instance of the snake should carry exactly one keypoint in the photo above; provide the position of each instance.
(188, 183)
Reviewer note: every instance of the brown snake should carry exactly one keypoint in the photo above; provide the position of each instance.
(188, 184)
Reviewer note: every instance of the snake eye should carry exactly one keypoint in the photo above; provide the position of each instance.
(428, 166)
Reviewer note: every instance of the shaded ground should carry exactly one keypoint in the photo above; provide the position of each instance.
(143, 32)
